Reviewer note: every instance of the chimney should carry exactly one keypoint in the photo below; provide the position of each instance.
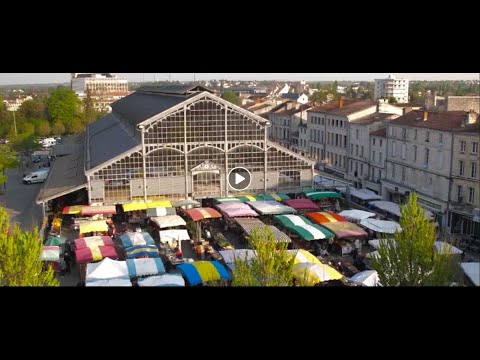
(471, 117)
(425, 115)
(340, 103)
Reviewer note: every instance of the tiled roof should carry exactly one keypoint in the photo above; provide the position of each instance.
(352, 108)
(446, 121)
(379, 132)
(370, 119)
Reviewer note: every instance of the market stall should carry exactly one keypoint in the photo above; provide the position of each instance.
(162, 280)
(271, 208)
(223, 200)
(375, 243)
(355, 215)
(169, 236)
(229, 257)
(199, 214)
(88, 254)
(325, 217)
(233, 210)
(345, 229)
(98, 210)
(93, 226)
(142, 251)
(201, 272)
(276, 197)
(168, 221)
(161, 211)
(110, 282)
(366, 278)
(247, 224)
(445, 248)
(50, 253)
(72, 210)
(318, 195)
(303, 227)
(472, 272)
(302, 205)
(141, 205)
(245, 198)
(381, 226)
(308, 270)
(135, 238)
(145, 267)
(388, 209)
(93, 241)
(55, 241)
(107, 269)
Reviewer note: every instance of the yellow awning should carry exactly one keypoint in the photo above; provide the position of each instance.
(89, 226)
(134, 206)
(160, 203)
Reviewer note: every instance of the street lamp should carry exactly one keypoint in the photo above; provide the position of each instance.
(14, 122)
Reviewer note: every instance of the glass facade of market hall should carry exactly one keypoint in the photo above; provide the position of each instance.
(189, 153)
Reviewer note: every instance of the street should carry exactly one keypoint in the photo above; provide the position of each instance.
(19, 201)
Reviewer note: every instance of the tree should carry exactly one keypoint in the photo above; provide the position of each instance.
(392, 100)
(63, 106)
(20, 257)
(231, 97)
(25, 142)
(272, 266)
(75, 126)
(43, 129)
(410, 260)
(33, 109)
(88, 108)
(319, 96)
(58, 128)
(8, 160)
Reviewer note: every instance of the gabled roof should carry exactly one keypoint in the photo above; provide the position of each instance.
(174, 89)
(443, 121)
(107, 139)
(372, 118)
(352, 108)
(379, 132)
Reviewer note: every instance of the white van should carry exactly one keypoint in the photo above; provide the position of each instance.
(49, 142)
(36, 177)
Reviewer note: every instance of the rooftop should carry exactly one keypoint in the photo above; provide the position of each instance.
(379, 132)
(352, 108)
(370, 119)
(445, 121)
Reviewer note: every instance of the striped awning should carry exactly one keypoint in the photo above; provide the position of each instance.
(198, 214)
(162, 280)
(161, 211)
(248, 224)
(311, 232)
(50, 253)
(96, 210)
(72, 210)
(141, 205)
(181, 203)
(293, 220)
(344, 229)
(200, 272)
(136, 238)
(325, 217)
(93, 241)
(271, 208)
(140, 251)
(144, 267)
(168, 221)
(246, 198)
(233, 210)
(276, 196)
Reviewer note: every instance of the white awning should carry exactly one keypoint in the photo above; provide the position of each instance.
(443, 247)
(356, 215)
(168, 221)
(366, 278)
(376, 242)
(107, 269)
(381, 226)
(472, 270)
(168, 236)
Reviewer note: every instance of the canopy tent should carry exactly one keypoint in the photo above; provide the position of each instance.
(443, 248)
(292, 220)
(247, 224)
(316, 195)
(373, 254)
(141, 205)
(50, 253)
(162, 280)
(375, 243)
(356, 215)
(144, 267)
(86, 254)
(387, 206)
(107, 269)
(110, 282)
(366, 278)
(275, 197)
(93, 226)
(229, 257)
(381, 226)
(323, 217)
(136, 238)
(472, 271)
(310, 271)
(168, 221)
(271, 208)
(302, 204)
(168, 236)
(97, 210)
(186, 203)
(72, 210)
(246, 198)
(203, 213)
(345, 229)
(55, 241)
(139, 251)
(362, 194)
(200, 272)
(161, 211)
(93, 241)
(222, 200)
(233, 210)
(311, 232)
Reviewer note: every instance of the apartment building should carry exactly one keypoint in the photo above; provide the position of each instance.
(378, 156)
(392, 87)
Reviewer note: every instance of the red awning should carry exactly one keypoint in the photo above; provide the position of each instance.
(203, 213)
(325, 217)
(96, 210)
(302, 204)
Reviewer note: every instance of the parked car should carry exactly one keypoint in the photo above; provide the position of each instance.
(36, 177)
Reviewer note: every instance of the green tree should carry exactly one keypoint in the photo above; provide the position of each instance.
(319, 96)
(89, 112)
(272, 266)
(410, 260)
(75, 126)
(20, 257)
(231, 97)
(392, 100)
(33, 109)
(25, 142)
(58, 128)
(43, 129)
(8, 160)
(63, 106)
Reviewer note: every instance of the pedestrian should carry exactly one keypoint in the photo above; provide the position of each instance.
(67, 259)
(358, 246)
(208, 235)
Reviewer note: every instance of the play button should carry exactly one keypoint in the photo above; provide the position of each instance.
(239, 178)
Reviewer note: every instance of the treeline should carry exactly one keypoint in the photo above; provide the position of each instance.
(59, 113)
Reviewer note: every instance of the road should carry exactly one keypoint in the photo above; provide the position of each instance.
(19, 201)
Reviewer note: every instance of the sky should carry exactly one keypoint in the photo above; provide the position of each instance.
(31, 78)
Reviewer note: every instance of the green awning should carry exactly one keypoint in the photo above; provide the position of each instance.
(247, 198)
(276, 197)
(55, 241)
(222, 200)
(311, 232)
(315, 195)
(292, 220)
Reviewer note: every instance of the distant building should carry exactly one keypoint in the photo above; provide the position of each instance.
(391, 87)
(104, 88)
(452, 103)
(14, 103)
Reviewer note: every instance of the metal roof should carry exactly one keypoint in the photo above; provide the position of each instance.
(107, 139)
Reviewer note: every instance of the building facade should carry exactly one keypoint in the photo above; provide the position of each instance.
(378, 156)
(392, 87)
